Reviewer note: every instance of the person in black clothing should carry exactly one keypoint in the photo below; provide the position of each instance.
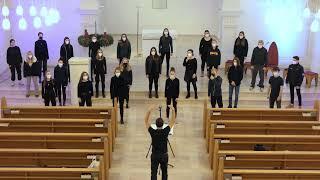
(31, 72)
(159, 142)
(235, 76)
(118, 90)
(190, 75)
(14, 60)
(165, 49)
(153, 64)
(66, 52)
(213, 57)
(94, 46)
(126, 73)
(240, 49)
(172, 90)
(85, 90)
(294, 78)
(204, 48)
(100, 70)
(123, 48)
(214, 89)
(41, 53)
(61, 80)
(275, 88)
(258, 61)
(49, 90)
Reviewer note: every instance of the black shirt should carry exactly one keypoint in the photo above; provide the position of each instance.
(275, 83)
(159, 139)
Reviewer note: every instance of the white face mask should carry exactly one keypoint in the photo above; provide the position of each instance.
(60, 64)
(276, 74)
(189, 55)
(294, 62)
(235, 64)
(94, 40)
(214, 45)
(124, 39)
(207, 35)
(67, 42)
(166, 33)
(117, 74)
(260, 46)
(100, 54)
(153, 53)
(30, 56)
(241, 37)
(85, 78)
(49, 76)
(211, 77)
(172, 76)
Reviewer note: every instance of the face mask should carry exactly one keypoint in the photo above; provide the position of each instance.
(189, 55)
(100, 54)
(241, 37)
(124, 39)
(294, 62)
(117, 74)
(207, 35)
(60, 64)
(67, 42)
(214, 45)
(260, 46)
(40, 37)
(276, 74)
(172, 76)
(235, 64)
(166, 33)
(94, 40)
(153, 53)
(85, 78)
(49, 76)
(212, 77)
(30, 56)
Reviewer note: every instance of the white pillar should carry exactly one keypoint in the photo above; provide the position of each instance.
(229, 27)
(315, 52)
(77, 66)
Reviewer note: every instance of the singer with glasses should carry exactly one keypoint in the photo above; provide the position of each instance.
(159, 138)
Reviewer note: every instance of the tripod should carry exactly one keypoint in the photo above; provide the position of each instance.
(160, 108)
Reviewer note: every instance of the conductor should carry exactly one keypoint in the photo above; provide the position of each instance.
(159, 143)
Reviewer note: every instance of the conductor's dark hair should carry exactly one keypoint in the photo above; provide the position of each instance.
(159, 122)
(40, 33)
(206, 31)
(296, 58)
(11, 40)
(190, 50)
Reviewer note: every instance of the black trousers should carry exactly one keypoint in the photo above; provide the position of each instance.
(43, 68)
(153, 79)
(174, 103)
(92, 68)
(86, 100)
(203, 62)
(167, 54)
(120, 60)
(128, 95)
(161, 159)
(121, 102)
(194, 84)
(273, 100)
(216, 100)
(241, 61)
(257, 69)
(61, 90)
(13, 69)
(100, 76)
(49, 99)
(292, 87)
(68, 71)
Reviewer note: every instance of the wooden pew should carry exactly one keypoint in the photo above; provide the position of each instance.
(48, 159)
(75, 113)
(210, 115)
(270, 160)
(56, 125)
(271, 142)
(57, 141)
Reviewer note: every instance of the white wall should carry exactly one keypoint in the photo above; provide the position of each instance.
(187, 16)
(5, 37)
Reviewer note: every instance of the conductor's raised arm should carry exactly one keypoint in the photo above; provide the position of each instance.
(173, 117)
(147, 117)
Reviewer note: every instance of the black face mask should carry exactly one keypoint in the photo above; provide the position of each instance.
(40, 38)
